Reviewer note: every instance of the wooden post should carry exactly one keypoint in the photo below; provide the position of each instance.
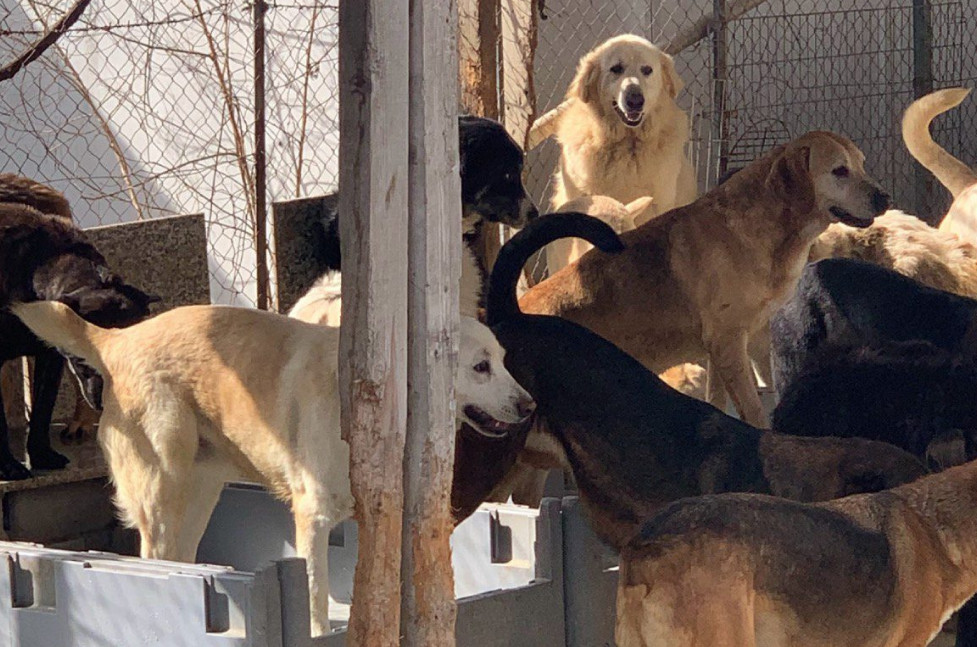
(434, 255)
(373, 82)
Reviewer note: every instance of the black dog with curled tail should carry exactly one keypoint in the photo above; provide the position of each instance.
(635, 444)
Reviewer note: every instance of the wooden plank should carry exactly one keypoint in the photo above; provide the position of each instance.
(434, 255)
(373, 75)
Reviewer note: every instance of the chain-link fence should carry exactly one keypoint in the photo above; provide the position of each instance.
(851, 67)
(146, 109)
(790, 66)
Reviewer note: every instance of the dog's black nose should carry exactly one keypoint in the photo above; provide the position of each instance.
(634, 101)
(881, 201)
(525, 408)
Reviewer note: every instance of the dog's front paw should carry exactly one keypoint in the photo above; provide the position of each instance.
(12, 470)
(48, 459)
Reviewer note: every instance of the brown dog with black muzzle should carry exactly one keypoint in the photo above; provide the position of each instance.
(696, 282)
(743, 570)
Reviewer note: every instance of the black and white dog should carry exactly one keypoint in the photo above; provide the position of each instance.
(491, 191)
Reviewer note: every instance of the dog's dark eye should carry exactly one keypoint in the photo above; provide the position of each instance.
(840, 171)
(483, 367)
(617, 69)
(647, 69)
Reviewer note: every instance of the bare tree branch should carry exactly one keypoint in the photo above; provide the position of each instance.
(35, 51)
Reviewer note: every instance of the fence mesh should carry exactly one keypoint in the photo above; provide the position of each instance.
(791, 66)
(146, 109)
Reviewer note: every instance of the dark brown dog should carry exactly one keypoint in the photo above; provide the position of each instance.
(46, 257)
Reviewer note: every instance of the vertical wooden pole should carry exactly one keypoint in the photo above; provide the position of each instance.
(489, 31)
(469, 70)
(434, 255)
(260, 160)
(373, 82)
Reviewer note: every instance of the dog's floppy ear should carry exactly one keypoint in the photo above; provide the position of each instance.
(673, 82)
(584, 84)
(790, 178)
(640, 209)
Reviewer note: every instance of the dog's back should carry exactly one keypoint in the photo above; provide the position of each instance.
(842, 302)
(17, 189)
(909, 246)
(322, 304)
(909, 394)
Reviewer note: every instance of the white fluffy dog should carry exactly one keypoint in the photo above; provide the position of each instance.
(202, 395)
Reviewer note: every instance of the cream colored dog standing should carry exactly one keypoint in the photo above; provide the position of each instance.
(621, 133)
(202, 395)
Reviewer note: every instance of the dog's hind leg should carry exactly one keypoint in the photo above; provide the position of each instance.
(715, 391)
(48, 367)
(314, 518)
(674, 613)
(151, 461)
(206, 483)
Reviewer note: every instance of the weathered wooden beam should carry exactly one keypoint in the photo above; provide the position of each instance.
(373, 82)
(434, 255)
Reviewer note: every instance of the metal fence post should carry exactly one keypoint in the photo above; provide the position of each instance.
(719, 78)
(922, 85)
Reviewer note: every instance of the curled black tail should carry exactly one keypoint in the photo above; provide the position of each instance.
(502, 302)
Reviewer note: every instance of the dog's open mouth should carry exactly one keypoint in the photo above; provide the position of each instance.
(631, 118)
(847, 218)
(486, 425)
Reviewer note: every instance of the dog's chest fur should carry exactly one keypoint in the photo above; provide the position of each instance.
(621, 163)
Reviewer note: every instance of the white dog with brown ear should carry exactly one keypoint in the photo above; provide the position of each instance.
(621, 132)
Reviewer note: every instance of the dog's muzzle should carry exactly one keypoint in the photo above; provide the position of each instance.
(630, 106)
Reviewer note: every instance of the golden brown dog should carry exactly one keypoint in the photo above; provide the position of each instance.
(956, 176)
(744, 570)
(621, 133)
(695, 283)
